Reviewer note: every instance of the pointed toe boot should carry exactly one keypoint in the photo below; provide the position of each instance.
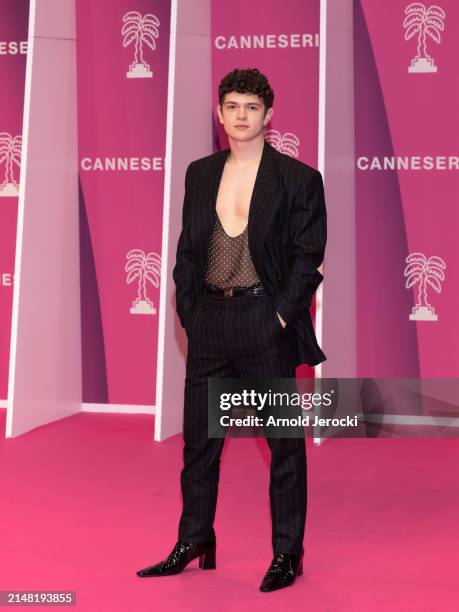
(179, 557)
(282, 572)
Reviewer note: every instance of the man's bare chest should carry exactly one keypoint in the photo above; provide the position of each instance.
(233, 199)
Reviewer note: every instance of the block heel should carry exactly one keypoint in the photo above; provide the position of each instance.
(300, 569)
(207, 559)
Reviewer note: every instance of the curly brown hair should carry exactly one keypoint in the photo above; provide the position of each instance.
(248, 80)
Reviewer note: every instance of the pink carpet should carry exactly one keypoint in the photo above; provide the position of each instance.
(90, 499)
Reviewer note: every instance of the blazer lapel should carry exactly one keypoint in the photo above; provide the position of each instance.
(266, 197)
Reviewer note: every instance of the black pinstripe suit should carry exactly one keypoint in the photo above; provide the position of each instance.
(242, 337)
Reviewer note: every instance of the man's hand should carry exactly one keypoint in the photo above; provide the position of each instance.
(283, 323)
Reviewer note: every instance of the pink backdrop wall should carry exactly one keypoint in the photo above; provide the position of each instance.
(282, 42)
(122, 97)
(408, 108)
(14, 17)
(403, 107)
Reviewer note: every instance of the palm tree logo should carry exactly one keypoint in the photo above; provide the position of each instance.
(143, 268)
(288, 143)
(423, 22)
(10, 155)
(140, 30)
(425, 272)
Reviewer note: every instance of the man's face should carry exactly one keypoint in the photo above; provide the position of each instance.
(243, 110)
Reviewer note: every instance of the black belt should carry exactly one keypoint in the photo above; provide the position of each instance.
(236, 291)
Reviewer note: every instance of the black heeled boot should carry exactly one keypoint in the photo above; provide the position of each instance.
(178, 559)
(284, 568)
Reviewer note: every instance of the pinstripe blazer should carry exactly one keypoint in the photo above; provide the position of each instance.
(287, 233)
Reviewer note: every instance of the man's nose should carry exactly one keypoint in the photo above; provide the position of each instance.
(242, 114)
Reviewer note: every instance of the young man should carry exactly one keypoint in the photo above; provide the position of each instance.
(253, 235)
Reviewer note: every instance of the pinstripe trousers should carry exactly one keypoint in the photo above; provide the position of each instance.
(237, 337)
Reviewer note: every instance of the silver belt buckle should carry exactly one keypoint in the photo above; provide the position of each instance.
(228, 292)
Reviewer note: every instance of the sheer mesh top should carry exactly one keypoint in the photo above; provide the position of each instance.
(228, 260)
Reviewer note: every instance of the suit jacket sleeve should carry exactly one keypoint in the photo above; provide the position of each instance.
(307, 239)
(184, 269)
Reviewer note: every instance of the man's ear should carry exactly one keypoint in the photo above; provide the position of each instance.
(220, 114)
(269, 114)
